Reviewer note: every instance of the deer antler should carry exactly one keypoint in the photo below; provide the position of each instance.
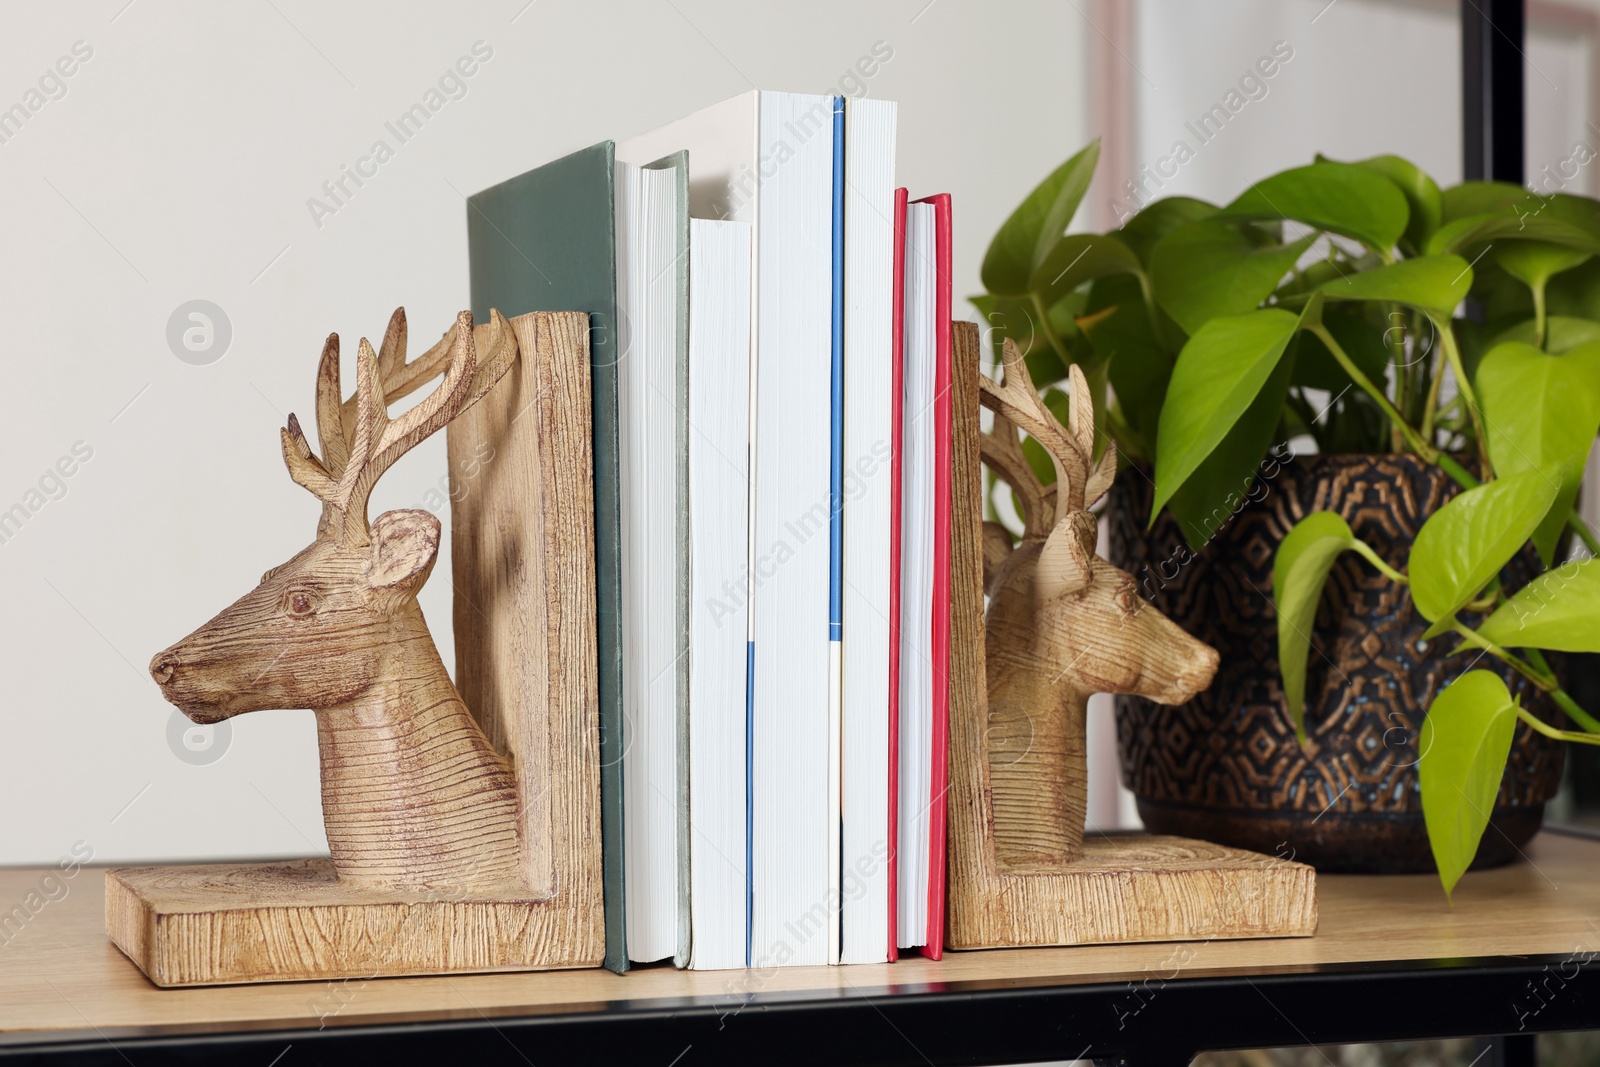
(1068, 529)
(1002, 451)
(359, 441)
(1079, 481)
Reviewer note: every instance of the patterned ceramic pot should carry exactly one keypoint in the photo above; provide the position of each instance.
(1226, 766)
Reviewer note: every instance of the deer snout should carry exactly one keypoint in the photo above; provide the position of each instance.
(1186, 669)
(1197, 675)
(186, 690)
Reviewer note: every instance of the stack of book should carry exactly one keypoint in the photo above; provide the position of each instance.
(770, 351)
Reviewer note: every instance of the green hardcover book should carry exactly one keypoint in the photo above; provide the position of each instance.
(678, 163)
(546, 241)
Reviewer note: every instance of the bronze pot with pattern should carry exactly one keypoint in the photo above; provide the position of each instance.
(1226, 766)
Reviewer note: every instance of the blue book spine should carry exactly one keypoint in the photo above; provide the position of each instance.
(836, 469)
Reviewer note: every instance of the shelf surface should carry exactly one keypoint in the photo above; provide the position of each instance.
(64, 985)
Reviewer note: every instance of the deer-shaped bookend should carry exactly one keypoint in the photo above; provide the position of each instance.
(337, 629)
(424, 803)
(1062, 624)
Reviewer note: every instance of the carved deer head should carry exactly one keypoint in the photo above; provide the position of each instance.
(322, 627)
(1062, 623)
(413, 794)
(1085, 616)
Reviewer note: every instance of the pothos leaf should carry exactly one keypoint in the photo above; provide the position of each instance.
(1337, 197)
(1466, 542)
(1218, 375)
(1465, 740)
(1208, 269)
(1558, 610)
(1539, 411)
(1299, 572)
(1036, 226)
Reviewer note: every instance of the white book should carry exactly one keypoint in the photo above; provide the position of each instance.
(654, 558)
(795, 915)
(868, 505)
(719, 537)
(767, 159)
(916, 575)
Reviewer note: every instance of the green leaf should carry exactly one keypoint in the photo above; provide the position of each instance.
(1062, 316)
(1337, 197)
(1222, 483)
(1558, 610)
(1466, 542)
(1118, 328)
(1541, 412)
(1535, 262)
(1316, 273)
(1563, 220)
(1436, 284)
(1464, 234)
(1480, 198)
(1465, 741)
(1421, 193)
(1476, 338)
(1079, 258)
(1352, 424)
(1576, 292)
(1562, 333)
(1502, 297)
(1026, 238)
(1362, 341)
(1009, 318)
(1208, 269)
(1157, 219)
(1299, 572)
(1217, 375)
(1016, 319)
(1045, 365)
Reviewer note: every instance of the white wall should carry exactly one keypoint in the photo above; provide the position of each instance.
(177, 166)
(1364, 77)
(1559, 101)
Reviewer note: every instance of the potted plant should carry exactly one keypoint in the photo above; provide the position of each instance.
(1354, 411)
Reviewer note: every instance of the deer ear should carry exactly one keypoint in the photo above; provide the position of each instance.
(404, 546)
(1064, 562)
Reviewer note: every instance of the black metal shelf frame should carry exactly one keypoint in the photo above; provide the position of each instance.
(1143, 1022)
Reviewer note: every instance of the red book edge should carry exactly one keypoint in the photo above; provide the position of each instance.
(897, 360)
(940, 776)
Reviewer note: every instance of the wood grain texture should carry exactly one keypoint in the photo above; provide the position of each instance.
(459, 839)
(1062, 624)
(522, 528)
(1544, 905)
(230, 923)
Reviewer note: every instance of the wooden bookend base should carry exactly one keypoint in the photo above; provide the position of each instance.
(284, 922)
(1010, 886)
(1133, 887)
(523, 569)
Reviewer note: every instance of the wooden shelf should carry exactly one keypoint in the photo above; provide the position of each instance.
(62, 980)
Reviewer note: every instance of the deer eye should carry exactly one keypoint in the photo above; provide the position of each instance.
(300, 603)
